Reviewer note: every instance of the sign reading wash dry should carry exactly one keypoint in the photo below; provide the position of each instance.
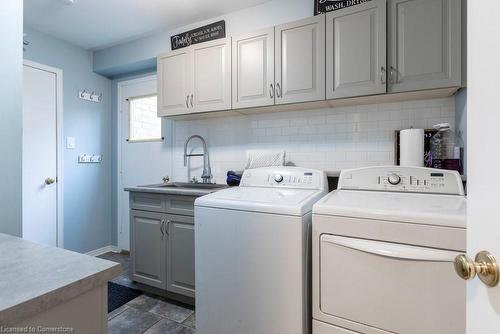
(323, 6)
(199, 35)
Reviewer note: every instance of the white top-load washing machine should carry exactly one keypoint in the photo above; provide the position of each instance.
(252, 251)
(384, 244)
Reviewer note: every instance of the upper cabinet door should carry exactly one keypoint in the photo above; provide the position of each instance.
(356, 50)
(211, 76)
(424, 44)
(253, 69)
(174, 82)
(300, 61)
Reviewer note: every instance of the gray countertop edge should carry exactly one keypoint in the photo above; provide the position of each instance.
(172, 191)
(38, 304)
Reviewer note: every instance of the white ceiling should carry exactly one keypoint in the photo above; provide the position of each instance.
(95, 24)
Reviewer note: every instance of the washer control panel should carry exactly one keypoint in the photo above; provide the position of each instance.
(286, 177)
(402, 179)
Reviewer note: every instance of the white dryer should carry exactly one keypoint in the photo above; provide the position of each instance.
(252, 250)
(384, 244)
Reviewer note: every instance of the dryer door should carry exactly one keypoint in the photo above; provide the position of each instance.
(392, 287)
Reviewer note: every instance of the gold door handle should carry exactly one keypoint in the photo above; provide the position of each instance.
(485, 266)
(49, 181)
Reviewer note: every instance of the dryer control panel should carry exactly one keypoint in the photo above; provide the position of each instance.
(402, 179)
(285, 177)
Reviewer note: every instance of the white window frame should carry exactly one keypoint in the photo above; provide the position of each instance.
(130, 140)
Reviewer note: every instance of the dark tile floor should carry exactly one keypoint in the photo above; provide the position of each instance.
(147, 313)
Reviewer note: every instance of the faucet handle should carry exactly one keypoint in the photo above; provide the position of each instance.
(166, 179)
(194, 180)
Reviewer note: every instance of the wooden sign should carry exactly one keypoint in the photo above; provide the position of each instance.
(323, 6)
(199, 35)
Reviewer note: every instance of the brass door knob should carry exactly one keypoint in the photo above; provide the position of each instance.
(485, 266)
(49, 181)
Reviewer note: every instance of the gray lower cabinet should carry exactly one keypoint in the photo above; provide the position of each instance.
(180, 255)
(147, 248)
(424, 44)
(162, 241)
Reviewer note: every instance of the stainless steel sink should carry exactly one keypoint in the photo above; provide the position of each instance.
(188, 185)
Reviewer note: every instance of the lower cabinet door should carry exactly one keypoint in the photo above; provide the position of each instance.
(148, 242)
(180, 254)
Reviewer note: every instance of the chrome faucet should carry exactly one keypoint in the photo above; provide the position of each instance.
(206, 176)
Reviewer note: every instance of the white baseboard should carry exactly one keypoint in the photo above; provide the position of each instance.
(103, 250)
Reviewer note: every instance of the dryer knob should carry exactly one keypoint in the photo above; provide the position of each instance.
(278, 178)
(394, 179)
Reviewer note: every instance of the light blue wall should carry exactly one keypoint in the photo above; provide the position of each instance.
(141, 54)
(11, 58)
(87, 187)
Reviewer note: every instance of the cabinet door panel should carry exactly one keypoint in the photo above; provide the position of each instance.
(180, 255)
(300, 61)
(147, 244)
(356, 50)
(425, 44)
(253, 69)
(212, 76)
(174, 82)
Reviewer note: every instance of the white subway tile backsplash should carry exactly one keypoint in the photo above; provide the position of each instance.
(330, 139)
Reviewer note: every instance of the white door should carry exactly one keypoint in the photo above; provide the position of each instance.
(300, 61)
(483, 224)
(174, 82)
(40, 89)
(356, 50)
(140, 162)
(253, 69)
(211, 76)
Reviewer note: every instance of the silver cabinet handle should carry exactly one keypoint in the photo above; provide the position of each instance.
(187, 101)
(278, 90)
(192, 95)
(271, 91)
(162, 228)
(166, 228)
(382, 75)
(391, 73)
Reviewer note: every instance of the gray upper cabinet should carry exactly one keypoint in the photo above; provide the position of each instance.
(180, 255)
(424, 44)
(174, 82)
(253, 69)
(300, 61)
(147, 248)
(356, 50)
(211, 76)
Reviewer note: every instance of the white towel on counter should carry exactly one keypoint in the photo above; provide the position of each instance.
(261, 158)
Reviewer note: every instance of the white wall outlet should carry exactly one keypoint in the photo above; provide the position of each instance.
(70, 143)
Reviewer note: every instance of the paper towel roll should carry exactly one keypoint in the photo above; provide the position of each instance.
(411, 144)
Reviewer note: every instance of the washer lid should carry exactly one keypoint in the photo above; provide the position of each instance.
(427, 209)
(285, 201)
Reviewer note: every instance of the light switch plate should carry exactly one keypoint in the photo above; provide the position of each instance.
(70, 143)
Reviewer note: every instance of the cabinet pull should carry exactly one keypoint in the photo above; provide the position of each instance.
(271, 91)
(166, 228)
(192, 100)
(382, 75)
(278, 90)
(391, 73)
(162, 228)
(187, 101)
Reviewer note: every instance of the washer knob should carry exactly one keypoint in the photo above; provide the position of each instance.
(394, 179)
(278, 178)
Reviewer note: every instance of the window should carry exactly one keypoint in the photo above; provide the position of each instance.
(144, 125)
